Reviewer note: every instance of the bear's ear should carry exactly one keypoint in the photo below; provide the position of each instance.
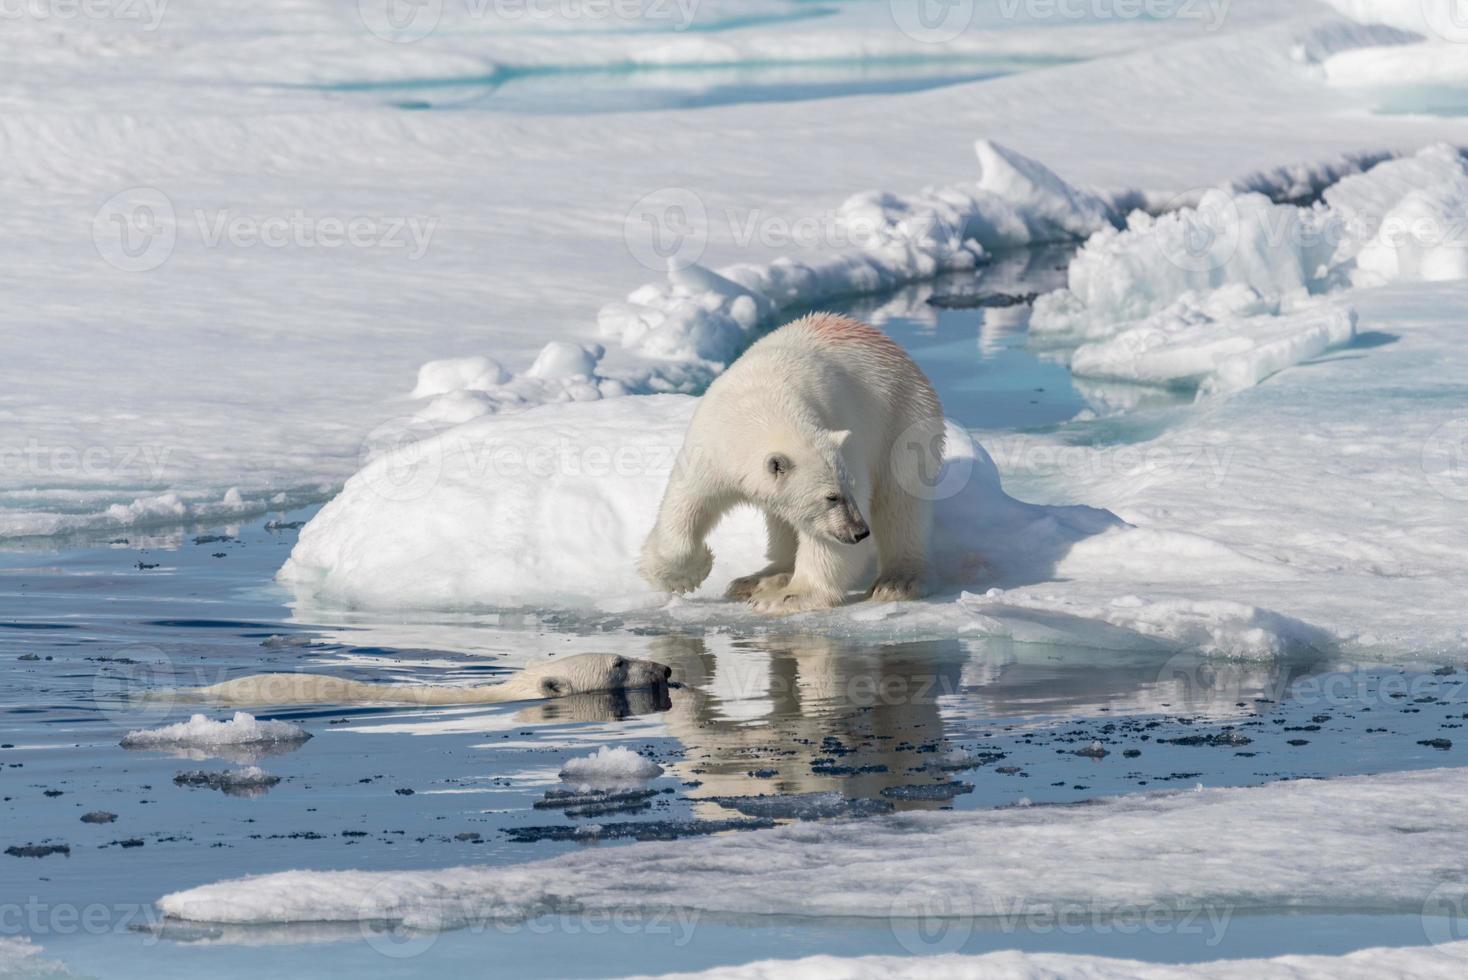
(778, 464)
(554, 687)
(839, 437)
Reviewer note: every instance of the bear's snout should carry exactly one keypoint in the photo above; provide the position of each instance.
(854, 533)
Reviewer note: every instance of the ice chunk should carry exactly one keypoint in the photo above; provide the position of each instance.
(802, 806)
(250, 781)
(561, 359)
(458, 374)
(928, 791)
(202, 732)
(1212, 355)
(610, 766)
(1226, 241)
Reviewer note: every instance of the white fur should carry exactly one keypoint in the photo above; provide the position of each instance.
(579, 674)
(825, 425)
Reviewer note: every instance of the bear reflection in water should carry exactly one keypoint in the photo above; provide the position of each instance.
(804, 714)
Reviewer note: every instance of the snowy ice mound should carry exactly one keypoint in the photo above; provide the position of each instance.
(1219, 295)
(609, 766)
(202, 732)
(699, 320)
(551, 506)
(703, 316)
(1333, 845)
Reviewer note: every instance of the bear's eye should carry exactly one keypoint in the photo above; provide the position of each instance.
(619, 664)
(833, 498)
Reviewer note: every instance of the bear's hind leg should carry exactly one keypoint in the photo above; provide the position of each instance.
(902, 524)
(824, 571)
(780, 551)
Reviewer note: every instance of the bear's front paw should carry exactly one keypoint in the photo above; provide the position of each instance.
(898, 585)
(746, 586)
(679, 573)
(783, 600)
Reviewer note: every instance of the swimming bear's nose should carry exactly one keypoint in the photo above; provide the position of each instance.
(667, 673)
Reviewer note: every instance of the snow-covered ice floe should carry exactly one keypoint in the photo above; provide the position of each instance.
(20, 959)
(1444, 962)
(203, 732)
(1388, 843)
(1251, 527)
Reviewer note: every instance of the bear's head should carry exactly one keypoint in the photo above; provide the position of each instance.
(805, 482)
(590, 672)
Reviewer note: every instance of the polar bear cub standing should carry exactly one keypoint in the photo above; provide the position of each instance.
(828, 427)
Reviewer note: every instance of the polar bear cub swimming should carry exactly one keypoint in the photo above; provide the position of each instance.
(558, 678)
(830, 428)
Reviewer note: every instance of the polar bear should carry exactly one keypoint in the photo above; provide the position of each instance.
(559, 678)
(825, 424)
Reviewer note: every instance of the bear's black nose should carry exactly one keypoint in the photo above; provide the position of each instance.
(863, 534)
(667, 672)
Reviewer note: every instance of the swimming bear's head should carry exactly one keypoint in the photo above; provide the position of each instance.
(589, 672)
